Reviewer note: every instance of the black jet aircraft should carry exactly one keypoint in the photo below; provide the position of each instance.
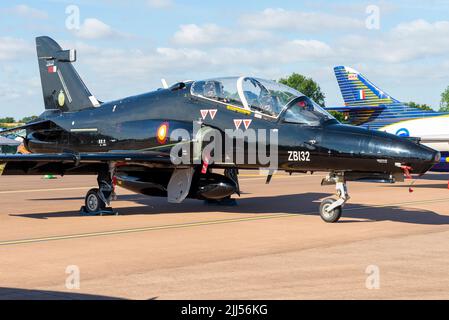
(153, 143)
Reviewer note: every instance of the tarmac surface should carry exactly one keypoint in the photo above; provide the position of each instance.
(389, 244)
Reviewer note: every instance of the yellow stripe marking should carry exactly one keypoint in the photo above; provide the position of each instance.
(196, 224)
(239, 110)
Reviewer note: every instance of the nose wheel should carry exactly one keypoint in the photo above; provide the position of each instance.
(330, 216)
(331, 209)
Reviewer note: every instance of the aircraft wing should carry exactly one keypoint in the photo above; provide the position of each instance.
(87, 157)
(355, 108)
(82, 163)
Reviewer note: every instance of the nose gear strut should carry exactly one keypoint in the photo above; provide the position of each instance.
(331, 209)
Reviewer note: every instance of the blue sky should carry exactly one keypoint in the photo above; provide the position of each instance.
(125, 48)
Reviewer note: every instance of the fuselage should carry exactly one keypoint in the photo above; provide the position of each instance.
(433, 130)
(131, 124)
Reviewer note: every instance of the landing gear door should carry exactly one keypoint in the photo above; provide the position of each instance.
(179, 185)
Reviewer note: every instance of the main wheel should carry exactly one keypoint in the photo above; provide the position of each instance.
(93, 201)
(332, 216)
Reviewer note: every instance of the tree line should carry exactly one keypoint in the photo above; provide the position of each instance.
(7, 120)
(311, 89)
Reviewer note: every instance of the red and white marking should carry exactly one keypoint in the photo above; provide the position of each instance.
(237, 123)
(212, 113)
(204, 113)
(52, 69)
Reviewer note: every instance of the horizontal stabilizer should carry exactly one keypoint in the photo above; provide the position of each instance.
(35, 125)
(73, 163)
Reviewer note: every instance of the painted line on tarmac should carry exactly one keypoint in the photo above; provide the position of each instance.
(44, 190)
(197, 224)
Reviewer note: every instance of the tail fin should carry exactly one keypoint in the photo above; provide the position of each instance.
(62, 87)
(358, 91)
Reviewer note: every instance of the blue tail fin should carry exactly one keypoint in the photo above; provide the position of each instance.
(368, 106)
(358, 91)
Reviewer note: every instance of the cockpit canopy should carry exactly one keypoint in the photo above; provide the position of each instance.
(262, 96)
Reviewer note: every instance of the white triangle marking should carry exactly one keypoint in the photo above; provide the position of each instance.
(237, 123)
(212, 113)
(204, 113)
(247, 123)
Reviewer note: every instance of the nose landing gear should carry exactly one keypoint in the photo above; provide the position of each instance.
(331, 209)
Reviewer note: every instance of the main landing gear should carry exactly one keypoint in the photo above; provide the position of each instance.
(331, 209)
(97, 200)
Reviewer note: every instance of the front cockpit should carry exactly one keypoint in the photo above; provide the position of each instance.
(268, 98)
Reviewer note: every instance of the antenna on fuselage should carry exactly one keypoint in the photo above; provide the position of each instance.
(164, 83)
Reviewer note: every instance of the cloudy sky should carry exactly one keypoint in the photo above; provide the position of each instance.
(126, 47)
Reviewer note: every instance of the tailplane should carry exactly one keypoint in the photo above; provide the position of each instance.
(62, 87)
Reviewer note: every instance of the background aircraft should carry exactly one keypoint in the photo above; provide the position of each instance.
(131, 141)
(370, 107)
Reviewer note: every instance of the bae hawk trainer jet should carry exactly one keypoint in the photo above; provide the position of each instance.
(155, 143)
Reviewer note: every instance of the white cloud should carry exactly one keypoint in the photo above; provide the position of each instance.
(25, 11)
(12, 48)
(137, 64)
(406, 42)
(192, 34)
(421, 28)
(279, 18)
(212, 34)
(92, 29)
(160, 4)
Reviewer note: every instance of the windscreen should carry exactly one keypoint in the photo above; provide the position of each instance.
(268, 97)
(305, 111)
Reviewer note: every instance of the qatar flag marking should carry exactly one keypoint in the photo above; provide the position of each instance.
(212, 113)
(52, 69)
(247, 123)
(204, 113)
(237, 123)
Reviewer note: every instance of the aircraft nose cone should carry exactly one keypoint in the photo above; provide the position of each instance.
(380, 151)
(423, 159)
(407, 153)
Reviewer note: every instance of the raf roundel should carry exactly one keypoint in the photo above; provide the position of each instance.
(162, 132)
(403, 132)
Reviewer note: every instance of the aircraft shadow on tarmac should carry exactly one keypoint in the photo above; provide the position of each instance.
(26, 294)
(423, 186)
(430, 177)
(301, 204)
(437, 176)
